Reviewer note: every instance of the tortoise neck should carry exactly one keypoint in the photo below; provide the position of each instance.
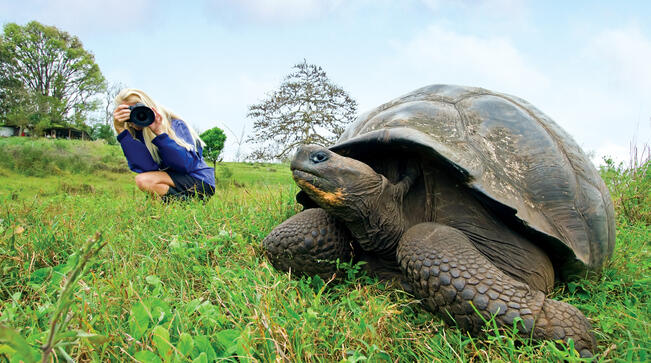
(378, 223)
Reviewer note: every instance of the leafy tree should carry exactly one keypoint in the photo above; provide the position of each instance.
(15, 104)
(214, 139)
(105, 132)
(306, 109)
(51, 69)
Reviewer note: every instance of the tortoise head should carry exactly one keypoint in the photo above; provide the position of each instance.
(336, 183)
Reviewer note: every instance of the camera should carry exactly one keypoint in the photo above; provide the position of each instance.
(141, 115)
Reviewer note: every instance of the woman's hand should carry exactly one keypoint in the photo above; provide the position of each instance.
(120, 115)
(157, 126)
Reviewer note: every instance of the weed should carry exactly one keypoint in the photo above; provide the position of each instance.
(630, 185)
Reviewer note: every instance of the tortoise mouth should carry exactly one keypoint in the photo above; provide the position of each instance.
(319, 190)
(313, 183)
(301, 176)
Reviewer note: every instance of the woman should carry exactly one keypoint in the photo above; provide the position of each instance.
(167, 155)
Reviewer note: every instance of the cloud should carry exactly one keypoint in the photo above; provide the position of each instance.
(283, 11)
(600, 93)
(444, 56)
(609, 95)
(222, 103)
(83, 16)
(272, 11)
(626, 55)
(501, 8)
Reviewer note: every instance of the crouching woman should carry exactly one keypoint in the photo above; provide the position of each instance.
(167, 155)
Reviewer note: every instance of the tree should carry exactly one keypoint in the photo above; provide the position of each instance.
(15, 104)
(306, 109)
(105, 132)
(214, 139)
(111, 91)
(52, 68)
(239, 140)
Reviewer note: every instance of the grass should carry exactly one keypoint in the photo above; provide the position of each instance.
(43, 157)
(189, 282)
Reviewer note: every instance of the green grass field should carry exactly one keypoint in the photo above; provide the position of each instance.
(188, 282)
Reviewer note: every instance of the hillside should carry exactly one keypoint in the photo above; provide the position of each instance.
(187, 282)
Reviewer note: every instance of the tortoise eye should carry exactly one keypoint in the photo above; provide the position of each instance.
(319, 157)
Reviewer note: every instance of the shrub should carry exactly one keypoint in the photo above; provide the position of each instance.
(42, 157)
(629, 186)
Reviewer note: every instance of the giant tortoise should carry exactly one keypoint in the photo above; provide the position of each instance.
(475, 199)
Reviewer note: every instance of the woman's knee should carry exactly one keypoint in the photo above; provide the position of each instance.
(144, 181)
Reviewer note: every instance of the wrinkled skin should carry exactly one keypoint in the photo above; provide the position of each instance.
(456, 264)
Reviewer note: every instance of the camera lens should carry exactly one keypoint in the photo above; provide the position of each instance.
(141, 115)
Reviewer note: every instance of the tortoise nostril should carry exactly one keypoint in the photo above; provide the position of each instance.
(319, 157)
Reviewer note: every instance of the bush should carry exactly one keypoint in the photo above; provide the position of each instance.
(214, 139)
(629, 187)
(42, 157)
(104, 132)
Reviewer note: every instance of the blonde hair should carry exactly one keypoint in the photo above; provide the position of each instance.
(132, 95)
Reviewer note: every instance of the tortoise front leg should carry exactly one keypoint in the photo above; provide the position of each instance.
(449, 273)
(308, 243)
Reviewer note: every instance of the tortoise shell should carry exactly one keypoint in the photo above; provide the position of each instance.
(511, 154)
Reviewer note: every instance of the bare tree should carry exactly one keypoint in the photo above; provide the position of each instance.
(111, 91)
(239, 140)
(306, 109)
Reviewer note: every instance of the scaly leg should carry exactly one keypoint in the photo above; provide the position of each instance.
(308, 243)
(448, 273)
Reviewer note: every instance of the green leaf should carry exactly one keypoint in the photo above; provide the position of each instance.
(311, 314)
(153, 280)
(138, 321)
(159, 309)
(185, 344)
(162, 342)
(383, 356)
(7, 350)
(13, 340)
(202, 344)
(174, 244)
(202, 358)
(146, 356)
(191, 306)
(38, 276)
(65, 335)
(65, 354)
(227, 339)
(93, 339)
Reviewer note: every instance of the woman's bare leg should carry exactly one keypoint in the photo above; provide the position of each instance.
(154, 182)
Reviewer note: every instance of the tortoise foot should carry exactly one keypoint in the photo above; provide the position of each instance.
(562, 321)
(462, 286)
(308, 243)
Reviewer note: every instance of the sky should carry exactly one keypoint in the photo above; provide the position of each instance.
(586, 64)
